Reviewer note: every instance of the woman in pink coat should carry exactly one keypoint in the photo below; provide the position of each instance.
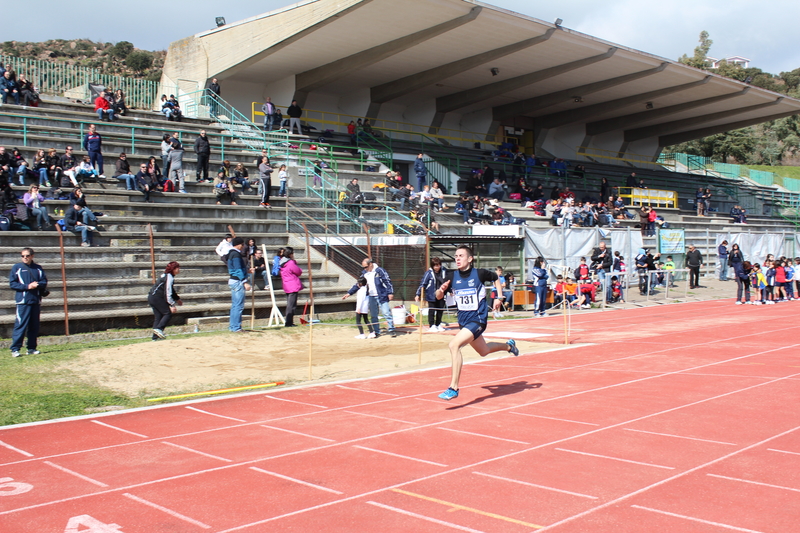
(290, 275)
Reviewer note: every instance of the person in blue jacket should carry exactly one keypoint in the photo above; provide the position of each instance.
(539, 284)
(432, 280)
(380, 291)
(30, 283)
(238, 272)
(93, 143)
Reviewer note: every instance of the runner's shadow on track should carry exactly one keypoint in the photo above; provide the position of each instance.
(495, 391)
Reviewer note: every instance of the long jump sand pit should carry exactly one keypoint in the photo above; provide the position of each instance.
(205, 362)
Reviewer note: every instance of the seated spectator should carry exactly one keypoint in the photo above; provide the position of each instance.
(68, 164)
(27, 92)
(9, 87)
(85, 169)
(508, 292)
(425, 195)
(177, 114)
(566, 194)
(36, 207)
(154, 173)
(119, 103)
(167, 108)
(437, 196)
(425, 218)
(240, 177)
(143, 181)
(20, 164)
(103, 108)
(496, 189)
(223, 189)
(6, 168)
(77, 221)
(559, 168)
(739, 214)
(620, 210)
(123, 172)
(8, 201)
(407, 197)
(261, 273)
(616, 291)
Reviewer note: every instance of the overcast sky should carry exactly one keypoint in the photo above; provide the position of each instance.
(764, 32)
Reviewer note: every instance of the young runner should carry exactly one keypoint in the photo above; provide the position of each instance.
(466, 284)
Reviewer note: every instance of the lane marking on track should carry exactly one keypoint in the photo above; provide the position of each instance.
(535, 485)
(382, 417)
(76, 474)
(297, 433)
(422, 517)
(782, 451)
(214, 414)
(680, 437)
(12, 448)
(754, 482)
(615, 459)
(120, 429)
(693, 519)
(294, 480)
(294, 401)
(166, 510)
(455, 506)
(484, 436)
(198, 452)
(398, 455)
(364, 390)
(553, 418)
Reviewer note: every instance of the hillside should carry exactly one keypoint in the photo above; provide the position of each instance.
(121, 59)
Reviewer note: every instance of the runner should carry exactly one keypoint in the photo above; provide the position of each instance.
(467, 287)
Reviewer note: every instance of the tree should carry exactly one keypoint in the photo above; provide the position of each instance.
(698, 60)
(121, 50)
(139, 61)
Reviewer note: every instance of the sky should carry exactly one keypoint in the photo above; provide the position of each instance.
(764, 32)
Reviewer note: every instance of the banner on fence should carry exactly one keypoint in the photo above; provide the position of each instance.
(560, 246)
(671, 241)
(755, 246)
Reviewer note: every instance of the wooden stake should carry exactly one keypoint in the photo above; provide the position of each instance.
(63, 279)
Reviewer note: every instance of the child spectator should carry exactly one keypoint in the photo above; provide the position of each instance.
(780, 281)
(797, 277)
(759, 283)
(769, 273)
(283, 176)
(616, 290)
(668, 266)
(582, 272)
(276, 262)
(788, 286)
(362, 310)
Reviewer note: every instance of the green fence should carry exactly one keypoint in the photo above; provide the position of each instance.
(61, 79)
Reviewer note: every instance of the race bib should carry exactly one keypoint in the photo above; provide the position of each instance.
(467, 299)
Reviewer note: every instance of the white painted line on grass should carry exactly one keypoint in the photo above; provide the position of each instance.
(615, 459)
(754, 482)
(398, 455)
(168, 511)
(553, 418)
(726, 526)
(297, 433)
(484, 436)
(214, 414)
(363, 390)
(294, 401)
(72, 472)
(535, 485)
(301, 482)
(782, 451)
(120, 429)
(198, 452)
(423, 517)
(680, 437)
(10, 447)
(382, 417)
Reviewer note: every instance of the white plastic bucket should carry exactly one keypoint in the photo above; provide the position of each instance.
(399, 315)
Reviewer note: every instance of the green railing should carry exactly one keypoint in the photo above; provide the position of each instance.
(73, 81)
(379, 149)
(298, 150)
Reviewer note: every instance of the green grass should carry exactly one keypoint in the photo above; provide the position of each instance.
(784, 172)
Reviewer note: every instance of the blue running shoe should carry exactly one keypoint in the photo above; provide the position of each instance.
(512, 347)
(449, 394)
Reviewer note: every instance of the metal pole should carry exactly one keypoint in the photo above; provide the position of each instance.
(253, 296)
(63, 279)
(152, 253)
(311, 291)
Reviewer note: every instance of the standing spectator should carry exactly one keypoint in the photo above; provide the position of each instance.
(238, 272)
(176, 162)
(707, 200)
(202, 147)
(700, 201)
(265, 178)
(420, 171)
(631, 181)
(213, 92)
(381, 293)
(362, 309)
(539, 284)
(722, 255)
(283, 177)
(29, 282)
(290, 275)
(351, 131)
(164, 299)
(35, 203)
(295, 112)
(431, 281)
(93, 143)
(269, 114)
(103, 108)
(166, 148)
(9, 87)
(742, 271)
(602, 261)
(694, 260)
(605, 188)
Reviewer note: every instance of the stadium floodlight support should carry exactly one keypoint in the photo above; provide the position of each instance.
(220, 21)
(558, 23)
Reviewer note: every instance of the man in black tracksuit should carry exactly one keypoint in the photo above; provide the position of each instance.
(29, 282)
(202, 147)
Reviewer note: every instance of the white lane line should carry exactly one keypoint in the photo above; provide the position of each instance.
(301, 482)
(553, 418)
(12, 448)
(72, 472)
(615, 459)
(294, 401)
(398, 455)
(423, 517)
(363, 390)
(214, 414)
(198, 452)
(168, 511)
(782, 451)
(382, 417)
(753, 482)
(680, 437)
(120, 429)
(535, 485)
(693, 519)
(484, 436)
(297, 433)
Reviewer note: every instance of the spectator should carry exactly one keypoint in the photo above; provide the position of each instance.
(602, 261)
(742, 271)
(351, 131)
(265, 180)
(103, 108)
(223, 189)
(631, 181)
(496, 189)
(404, 195)
(6, 167)
(85, 169)
(40, 167)
(28, 92)
(420, 171)
(164, 299)
(567, 194)
(431, 281)
(9, 87)
(156, 177)
(176, 108)
(123, 172)
(75, 221)
(142, 181)
(35, 203)
(362, 308)
(93, 143)
(29, 282)
(241, 177)
(739, 214)
(120, 108)
(508, 292)
(269, 114)
(68, 164)
(605, 188)
(283, 178)
(202, 147)
(722, 255)
(295, 112)
(699, 201)
(276, 262)
(224, 247)
(260, 266)
(20, 164)
(237, 282)
(437, 196)
(694, 260)
(290, 275)
(176, 162)
(166, 108)
(380, 292)
(213, 92)
(707, 200)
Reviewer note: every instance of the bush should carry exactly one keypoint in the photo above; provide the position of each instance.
(139, 61)
(121, 50)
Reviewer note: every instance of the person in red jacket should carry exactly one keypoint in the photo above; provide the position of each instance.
(103, 108)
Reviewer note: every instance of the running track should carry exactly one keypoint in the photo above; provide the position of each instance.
(679, 418)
